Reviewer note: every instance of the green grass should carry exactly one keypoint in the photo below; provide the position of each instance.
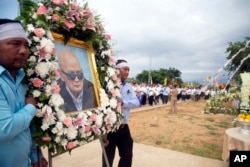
(162, 140)
(154, 125)
(210, 119)
(224, 124)
(207, 150)
(209, 127)
(192, 117)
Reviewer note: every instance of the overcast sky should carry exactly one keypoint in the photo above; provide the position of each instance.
(189, 35)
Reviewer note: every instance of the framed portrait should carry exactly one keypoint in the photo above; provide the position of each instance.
(78, 79)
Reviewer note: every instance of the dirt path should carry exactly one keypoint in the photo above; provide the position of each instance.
(189, 131)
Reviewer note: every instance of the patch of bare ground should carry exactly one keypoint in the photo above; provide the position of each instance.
(189, 131)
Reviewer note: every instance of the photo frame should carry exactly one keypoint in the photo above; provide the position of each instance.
(46, 28)
(91, 84)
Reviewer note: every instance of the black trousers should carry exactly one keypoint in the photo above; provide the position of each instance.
(150, 100)
(123, 141)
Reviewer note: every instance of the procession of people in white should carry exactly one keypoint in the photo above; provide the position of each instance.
(156, 93)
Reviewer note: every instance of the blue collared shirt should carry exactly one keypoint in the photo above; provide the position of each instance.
(15, 118)
(129, 100)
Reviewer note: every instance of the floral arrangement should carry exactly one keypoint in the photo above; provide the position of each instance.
(244, 115)
(245, 90)
(71, 20)
(221, 104)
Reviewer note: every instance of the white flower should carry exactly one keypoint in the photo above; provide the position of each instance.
(99, 120)
(111, 117)
(110, 71)
(48, 17)
(71, 133)
(60, 132)
(103, 68)
(40, 105)
(32, 59)
(36, 39)
(30, 72)
(48, 90)
(39, 113)
(59, 125)
(47, 44)
(245, 89)
(42, 69)
(30, 28)
(53, 66)
(49, 35)
(106, 79)
(64, 142)
(110, 85)
(104, 98)
(36, 93)
(61, 115)
(57, 8)
(54, 130)
(57, 139)
(113, 102)
(56, 100)
(34, 16)
(106, 52)
(45, 126)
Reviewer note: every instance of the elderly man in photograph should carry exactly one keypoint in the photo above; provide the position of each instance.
(78, 93)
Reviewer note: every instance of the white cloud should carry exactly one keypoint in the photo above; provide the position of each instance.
(191, 36)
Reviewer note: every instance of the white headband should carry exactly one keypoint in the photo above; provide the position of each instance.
(123, 64)
(12, 30)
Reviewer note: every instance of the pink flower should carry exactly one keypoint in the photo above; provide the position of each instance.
(119, 108)
(114, 77)
(67, 121)
(39, 32)
(78, 122)
(56, 88)
(77, 18)
(37, 82)
(114, 93)
(57, 2)
(70, 13)
(112, 61)
(90, 24)
(108, 126)
(53, 50)
(42, 10)
(87, 128)
(96, 129)
(100, 28)
(42, 54)
(57, 73)
(55, 17)
(64, 2)
(93, 117)
(69, 24)
(48, 112)
(74, 5)
(108, 36)
(71, 145)
(87, 11)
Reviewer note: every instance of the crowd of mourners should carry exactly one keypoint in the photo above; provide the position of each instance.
(156, 93)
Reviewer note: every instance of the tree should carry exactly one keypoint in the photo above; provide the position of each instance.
(232, 50)
(158, 76)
